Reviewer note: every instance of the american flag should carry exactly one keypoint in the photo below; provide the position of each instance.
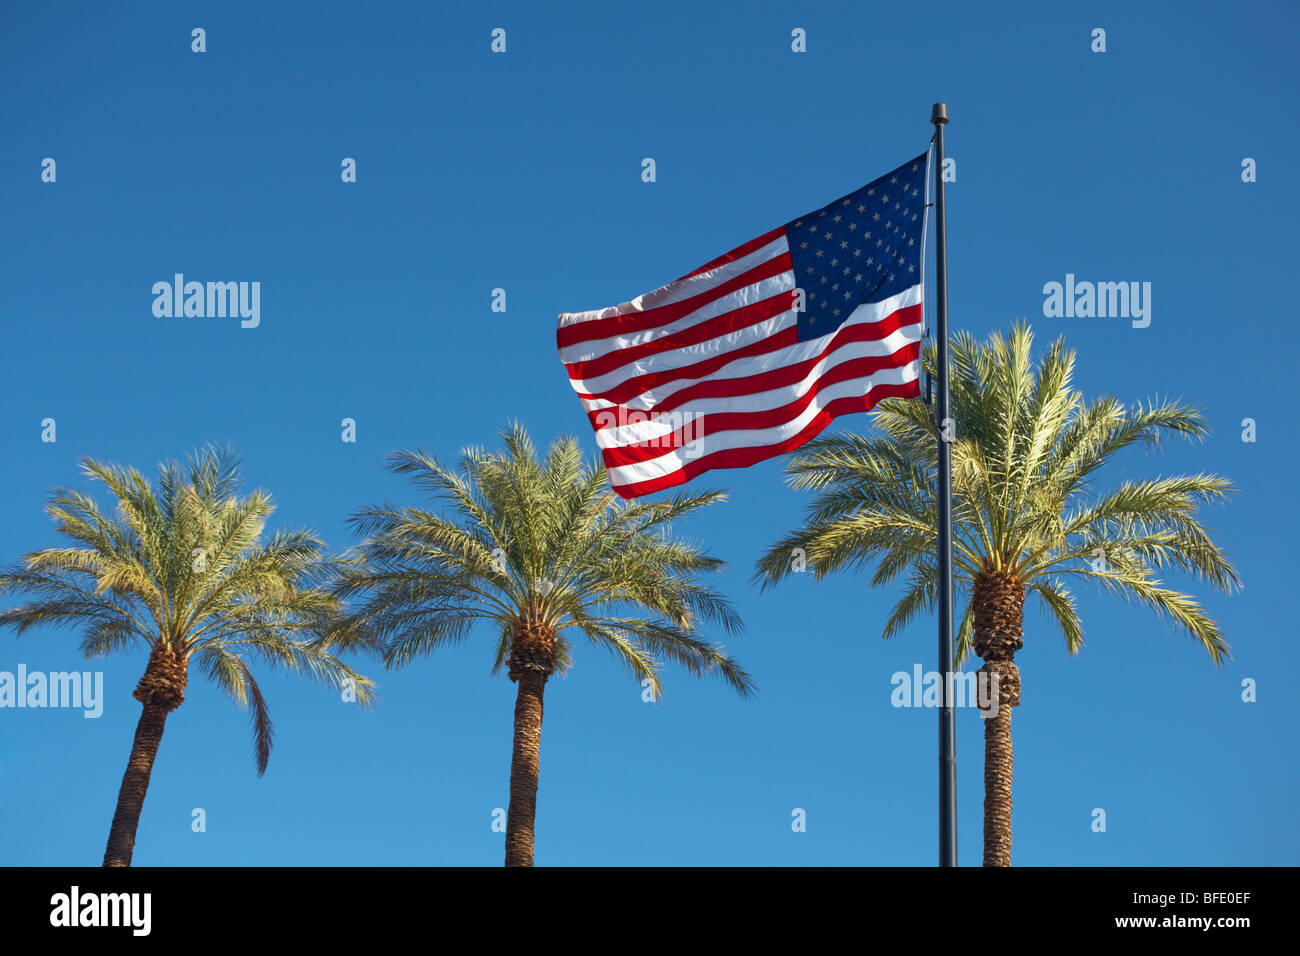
(752, 354)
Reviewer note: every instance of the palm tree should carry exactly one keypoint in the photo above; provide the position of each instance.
(539, 549)
(1027, 456)
(179, 570)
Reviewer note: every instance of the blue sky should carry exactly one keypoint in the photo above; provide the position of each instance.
(522, 171)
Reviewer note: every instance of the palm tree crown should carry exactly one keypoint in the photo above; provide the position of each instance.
(180, 569)
(1026, 452)
(534, 540)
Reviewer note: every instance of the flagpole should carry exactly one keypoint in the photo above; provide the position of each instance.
(947, 720)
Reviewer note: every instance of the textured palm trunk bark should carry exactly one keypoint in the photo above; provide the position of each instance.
(135, 784)
(997, 788)
(161, 690)
(525, 770)
(532, 659)
(998, 603)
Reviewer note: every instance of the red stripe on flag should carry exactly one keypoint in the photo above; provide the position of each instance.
(635, 386)
(739, 252)
(638, 321)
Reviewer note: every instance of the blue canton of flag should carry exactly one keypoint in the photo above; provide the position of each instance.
(863, 247)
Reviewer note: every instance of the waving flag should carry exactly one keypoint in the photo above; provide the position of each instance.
(754, 353)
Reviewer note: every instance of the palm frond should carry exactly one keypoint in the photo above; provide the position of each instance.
(524, 535)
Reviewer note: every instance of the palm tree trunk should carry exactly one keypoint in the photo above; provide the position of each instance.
(525, 769)
(997, 788)
(161, 690)
(135, 783)
(998, 601)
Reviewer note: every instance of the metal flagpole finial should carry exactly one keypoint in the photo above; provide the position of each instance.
(939, 114)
